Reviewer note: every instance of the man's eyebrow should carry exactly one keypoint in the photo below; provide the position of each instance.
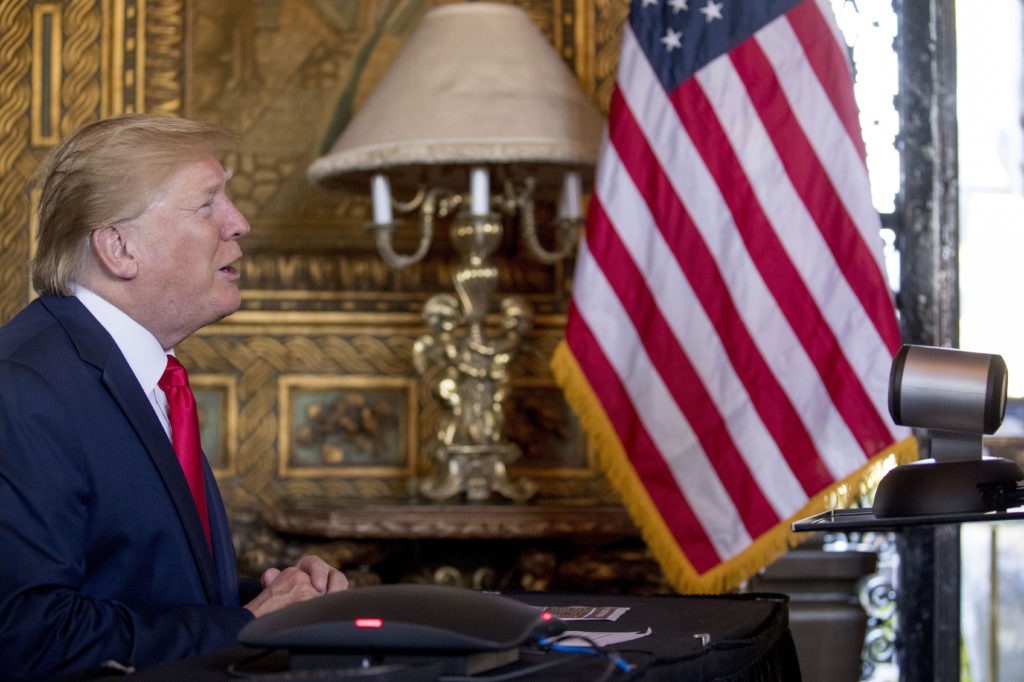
(215, 187)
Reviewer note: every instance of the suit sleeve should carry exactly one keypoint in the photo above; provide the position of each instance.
(56, 612)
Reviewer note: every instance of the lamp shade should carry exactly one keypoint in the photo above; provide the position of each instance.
(475, 84)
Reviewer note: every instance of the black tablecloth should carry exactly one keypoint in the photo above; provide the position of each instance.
(735, 638)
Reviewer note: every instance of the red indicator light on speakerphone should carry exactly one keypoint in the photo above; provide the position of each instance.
(369, 623)
(546, 615)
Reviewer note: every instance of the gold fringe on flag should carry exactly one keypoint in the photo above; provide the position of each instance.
(729, 575)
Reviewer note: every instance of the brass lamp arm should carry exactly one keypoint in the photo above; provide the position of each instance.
(568, 228)
(431, 204)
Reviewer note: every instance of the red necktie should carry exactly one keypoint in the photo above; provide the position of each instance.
(185, 433)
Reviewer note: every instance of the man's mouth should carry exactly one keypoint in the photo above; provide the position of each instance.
(230, 268)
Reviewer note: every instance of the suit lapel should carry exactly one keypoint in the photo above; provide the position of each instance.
(137, 408)
(96, 347)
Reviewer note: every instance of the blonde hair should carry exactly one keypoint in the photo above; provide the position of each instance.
(105, 173)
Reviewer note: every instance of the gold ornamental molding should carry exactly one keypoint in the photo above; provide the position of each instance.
(48, 41)
(453, 522)
(81, 60)
(15, 166)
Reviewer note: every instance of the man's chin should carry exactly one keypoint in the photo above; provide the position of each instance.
(232, 310)
(229, 306)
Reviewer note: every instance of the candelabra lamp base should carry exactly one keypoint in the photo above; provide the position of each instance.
(476, 471)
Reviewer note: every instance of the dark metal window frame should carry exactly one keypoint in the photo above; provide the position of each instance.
(926, 224)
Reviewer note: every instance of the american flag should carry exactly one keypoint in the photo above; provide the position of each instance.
(731, 330)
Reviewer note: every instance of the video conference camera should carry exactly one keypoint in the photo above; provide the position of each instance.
(958, 397)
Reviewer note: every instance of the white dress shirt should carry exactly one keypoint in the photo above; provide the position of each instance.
(145, 356)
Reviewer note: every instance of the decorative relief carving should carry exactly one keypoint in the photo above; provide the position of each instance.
(47, 41)
(16, 162)
(123, 79)
(164, 56)
(454, 521)
(290, 385)
(258, 362)
(80, 90)
(609, 16)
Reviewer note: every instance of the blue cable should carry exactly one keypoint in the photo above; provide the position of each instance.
(592, 649)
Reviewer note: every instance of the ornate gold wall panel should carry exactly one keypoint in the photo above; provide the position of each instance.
(16, 100)
(62, 64)
(308, 393)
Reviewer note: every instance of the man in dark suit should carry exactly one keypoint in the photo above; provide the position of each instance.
(106, 560)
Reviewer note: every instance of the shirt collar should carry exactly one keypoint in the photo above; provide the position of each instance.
(139, 347)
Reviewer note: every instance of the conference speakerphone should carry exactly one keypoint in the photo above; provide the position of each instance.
(460, 631)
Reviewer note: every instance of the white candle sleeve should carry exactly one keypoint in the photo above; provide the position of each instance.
(480, 190)
(572, 195)
(380, 189)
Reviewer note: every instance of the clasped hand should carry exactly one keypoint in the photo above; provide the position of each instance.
(309, 578)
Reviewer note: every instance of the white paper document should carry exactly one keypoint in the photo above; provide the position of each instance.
(600, 639)
(587, 612)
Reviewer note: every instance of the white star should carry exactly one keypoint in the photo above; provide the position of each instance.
(648, 3)
(712, 11)
(672, 40)
(679, 6)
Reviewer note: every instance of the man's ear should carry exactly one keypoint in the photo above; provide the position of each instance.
(112, 254)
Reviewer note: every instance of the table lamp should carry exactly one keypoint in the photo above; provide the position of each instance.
(476, 118)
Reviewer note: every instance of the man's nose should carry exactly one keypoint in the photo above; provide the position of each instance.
(237, 225)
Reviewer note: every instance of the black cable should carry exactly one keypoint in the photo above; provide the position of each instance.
(512, 674)
(405, 672)
(235, 668)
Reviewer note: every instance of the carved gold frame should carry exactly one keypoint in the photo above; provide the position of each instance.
(217, 400)
(289, 386)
